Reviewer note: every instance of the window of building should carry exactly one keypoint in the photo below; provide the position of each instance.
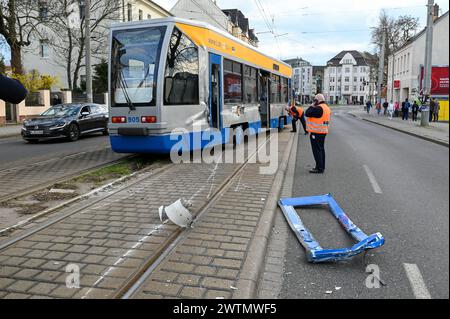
(141, 15)
(361, 88)
(355, 88)
(232, 81)
(130, 12)
(250, 85)
(275, 89)
(347, 79)
(182, 68)
(43, 11)
(346, 88)
(347, 70)
(355, 79)
(44, 48)
(149, 16)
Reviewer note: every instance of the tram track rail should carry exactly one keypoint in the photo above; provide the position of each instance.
(170, 242)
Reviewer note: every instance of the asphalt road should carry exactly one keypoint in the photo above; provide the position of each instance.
(412, 212)
(15, 151)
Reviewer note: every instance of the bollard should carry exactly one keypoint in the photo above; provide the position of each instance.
(425, 117)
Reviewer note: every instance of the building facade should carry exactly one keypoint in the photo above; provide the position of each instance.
(347, 78)
(41, 55)
(405, 64)
(302, 80)
(232, 21)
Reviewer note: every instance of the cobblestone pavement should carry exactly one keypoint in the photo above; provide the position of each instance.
(22, 178)
(111, 239)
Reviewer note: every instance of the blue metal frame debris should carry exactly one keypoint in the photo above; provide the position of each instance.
(315, 253)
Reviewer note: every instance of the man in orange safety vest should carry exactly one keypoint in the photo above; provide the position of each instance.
(318, 118)
(297, 113)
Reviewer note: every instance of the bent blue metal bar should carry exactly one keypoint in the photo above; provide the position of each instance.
(315, 253)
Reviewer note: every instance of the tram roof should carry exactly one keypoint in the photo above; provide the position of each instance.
(201, 39)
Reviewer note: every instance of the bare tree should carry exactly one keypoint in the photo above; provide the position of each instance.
(66, 33)
(398, 32)
(18, 22)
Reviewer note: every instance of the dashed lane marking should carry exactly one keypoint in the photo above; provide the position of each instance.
(416, 280)
(376, 187)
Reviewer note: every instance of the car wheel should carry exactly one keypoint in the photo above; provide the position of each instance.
(74, 132)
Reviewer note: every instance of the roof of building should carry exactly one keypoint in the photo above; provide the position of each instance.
(318, 68)
(296, 62)
(418, 35)
(358, 56)
(238, 19)
(157, 6)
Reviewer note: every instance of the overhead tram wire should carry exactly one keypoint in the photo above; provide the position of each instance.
(270, 26)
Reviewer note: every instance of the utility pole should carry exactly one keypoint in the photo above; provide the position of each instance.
(425, 120)
(381, 66)
(87, 33)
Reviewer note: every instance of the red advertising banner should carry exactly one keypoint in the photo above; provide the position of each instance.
(439, 80)
(396, 84)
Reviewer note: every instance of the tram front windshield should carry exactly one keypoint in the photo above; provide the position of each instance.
(134, 67)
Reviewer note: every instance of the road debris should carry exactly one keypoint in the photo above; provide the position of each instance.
(314, 252)
(178, 213)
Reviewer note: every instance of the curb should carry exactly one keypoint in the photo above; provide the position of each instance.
(429, 139)
(9, 135)
(254, 262)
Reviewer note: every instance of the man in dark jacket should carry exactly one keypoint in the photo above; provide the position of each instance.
(11, 90)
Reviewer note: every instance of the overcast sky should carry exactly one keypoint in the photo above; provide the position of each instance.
(319, 29)
(335, 25)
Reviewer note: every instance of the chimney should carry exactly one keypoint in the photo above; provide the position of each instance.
(435, 12)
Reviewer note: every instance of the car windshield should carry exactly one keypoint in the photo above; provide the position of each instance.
(62, 110)
(134, 66)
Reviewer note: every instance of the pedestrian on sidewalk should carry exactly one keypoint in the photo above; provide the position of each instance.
(437, 108)
(368, 106)
(432, 107)
(378, 108)
(391, 109)
(396, 109)
(415, 111)
(385, 107)
(297, 114)
(11, 90)
(318, 118)
(405, 110)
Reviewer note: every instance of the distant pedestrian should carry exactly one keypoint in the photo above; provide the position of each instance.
(391, 109)
(405, 110)
(297, 114)
(432, 107)
(368, 106)
(378, 108)
(415, 111)
(437, 108)
(12, 91)
(385, 107)
(396, 109)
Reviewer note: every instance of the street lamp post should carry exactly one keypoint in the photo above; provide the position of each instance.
(87, 17)
(425, 120)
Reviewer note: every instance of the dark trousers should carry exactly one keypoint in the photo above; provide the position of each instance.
(435, 117)
(318, 148)
(294, 123)
(414, 116)
(405, 115)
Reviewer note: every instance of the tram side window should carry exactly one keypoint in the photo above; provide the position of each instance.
(275, 89)
(284, 90)
(232, 82)
(250, 85)
(182, 71)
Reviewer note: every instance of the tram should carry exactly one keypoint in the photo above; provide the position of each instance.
(171, 74)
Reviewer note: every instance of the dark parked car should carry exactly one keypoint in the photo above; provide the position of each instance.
(67, 120)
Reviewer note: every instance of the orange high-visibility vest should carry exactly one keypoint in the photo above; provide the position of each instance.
(319, 125)
(292, 111)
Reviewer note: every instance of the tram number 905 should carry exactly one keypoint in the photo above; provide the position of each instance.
(133, 119)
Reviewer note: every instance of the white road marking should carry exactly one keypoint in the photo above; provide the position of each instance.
(416, 280)
(373, 181)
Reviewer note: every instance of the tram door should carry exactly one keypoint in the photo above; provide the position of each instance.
(215, 91)
(264, 98)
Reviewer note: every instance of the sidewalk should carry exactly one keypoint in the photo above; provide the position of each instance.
(436, 132)
(10, 130)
